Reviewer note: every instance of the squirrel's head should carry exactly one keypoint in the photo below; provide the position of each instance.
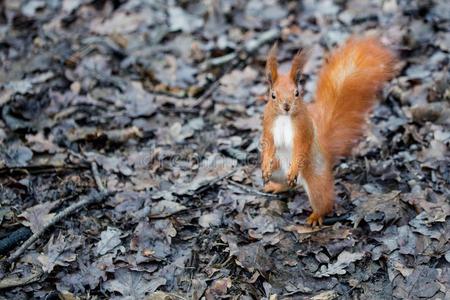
(285, 90)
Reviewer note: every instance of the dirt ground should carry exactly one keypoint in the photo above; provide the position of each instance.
(149, 112)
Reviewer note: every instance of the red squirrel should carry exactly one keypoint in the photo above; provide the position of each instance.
(302, 141)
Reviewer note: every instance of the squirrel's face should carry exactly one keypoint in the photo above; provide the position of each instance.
(285, 90)
(286, 95)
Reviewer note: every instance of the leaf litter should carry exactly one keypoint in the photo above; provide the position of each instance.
(166, 99)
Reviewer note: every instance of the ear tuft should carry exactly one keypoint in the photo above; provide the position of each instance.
(272, 65)
(298, 62)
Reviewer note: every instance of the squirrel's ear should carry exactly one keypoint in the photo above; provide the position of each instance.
(272, 65)
(298, 62)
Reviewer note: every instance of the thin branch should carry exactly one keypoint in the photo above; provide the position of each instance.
(233, 59)
(252, 190)
(83, 201)
(40, 169)
(101, 188)
(216, 180)
(209, 91)
(265, 37)
(22, 233)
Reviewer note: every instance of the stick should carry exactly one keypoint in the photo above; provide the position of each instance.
(23, 233)
(260, 40)
(208, 92)
(39, 169)
(98, 181)
(234, 58)
(252, 190)
(84, 201)
(216, 180)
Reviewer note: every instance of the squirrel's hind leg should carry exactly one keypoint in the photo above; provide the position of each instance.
(320, 190)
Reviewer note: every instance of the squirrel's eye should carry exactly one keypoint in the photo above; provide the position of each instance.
(273, 95)
(296, 93)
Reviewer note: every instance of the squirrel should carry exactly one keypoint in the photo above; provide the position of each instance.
(301, 141)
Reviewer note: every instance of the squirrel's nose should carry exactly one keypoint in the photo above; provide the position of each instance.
(286, 107)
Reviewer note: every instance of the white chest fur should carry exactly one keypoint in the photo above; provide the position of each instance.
(283, 134)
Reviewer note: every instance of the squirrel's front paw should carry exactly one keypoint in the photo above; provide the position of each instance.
(267, 171)
(292, 179)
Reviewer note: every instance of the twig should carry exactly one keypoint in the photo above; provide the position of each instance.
(234, 59)
(39, 169)
(252, 190)
(221, 60)
(216, 180)
(23, 233)
(84, 201)
(98, 181)
(242, 53)
(260, 40)
(208, 92)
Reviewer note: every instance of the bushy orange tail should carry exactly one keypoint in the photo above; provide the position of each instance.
(346, 91)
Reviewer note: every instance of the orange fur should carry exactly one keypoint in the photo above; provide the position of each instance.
(320, 132)
(298, 62)
(272, 65)
(346, 91)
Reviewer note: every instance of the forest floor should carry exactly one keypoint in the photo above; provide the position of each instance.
(150, 112)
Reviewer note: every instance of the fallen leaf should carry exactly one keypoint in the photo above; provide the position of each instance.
(210, 220)
(120, 22)
(387, 204)
(40, 143)
(17, 156)
(37, 217)
(110, 239)
(59, 252)
(301, 229)
(338, 268)
(165, 208)
(218, 288)
(211, 169)
(132, 285)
